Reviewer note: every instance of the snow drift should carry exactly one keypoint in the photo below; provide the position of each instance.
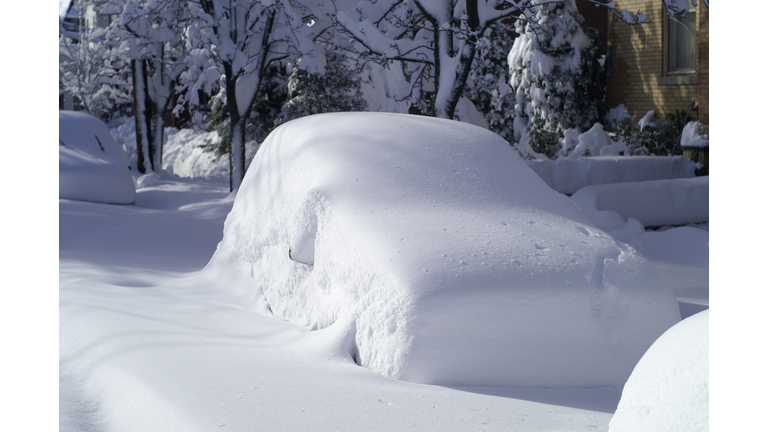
(669, 388)
(568, 175)
(446, 258)
(92, 165)
(672, 202)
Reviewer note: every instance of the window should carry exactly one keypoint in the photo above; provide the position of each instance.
(679, 48)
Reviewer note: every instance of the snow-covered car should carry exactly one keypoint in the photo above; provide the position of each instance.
(444, 258)
(92, 165)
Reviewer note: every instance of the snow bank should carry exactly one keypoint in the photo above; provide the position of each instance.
(669, 388)
(569, 175)
(652, 203)
(186, 155)
(444, 257)
(92, 165)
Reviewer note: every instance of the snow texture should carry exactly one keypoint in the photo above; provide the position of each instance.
(669, 388)
(567, 175)
(92, 165)
(652, 203)
(440, 255)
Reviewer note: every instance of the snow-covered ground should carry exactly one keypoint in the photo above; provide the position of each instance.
(142, 348)
(146, 344)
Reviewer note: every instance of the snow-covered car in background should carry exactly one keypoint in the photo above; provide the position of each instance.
(444, 256)
(92, 165)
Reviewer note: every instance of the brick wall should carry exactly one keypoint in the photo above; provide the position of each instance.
(639, 64)
(703, 67)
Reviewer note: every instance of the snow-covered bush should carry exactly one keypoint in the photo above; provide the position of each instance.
(656, 137)
(264, 116)
(337, 90)
(556, 76)
(695, 134)
(488, 83)
(616, 116)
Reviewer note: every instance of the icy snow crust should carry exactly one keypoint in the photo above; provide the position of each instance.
(447, 259)
(92, 165)
(669, 388)
(569, 175)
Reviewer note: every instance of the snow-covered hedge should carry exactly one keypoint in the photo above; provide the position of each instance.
(92, 165)
(444, 257)
(652, 203)
(569, 175)
(669, 388)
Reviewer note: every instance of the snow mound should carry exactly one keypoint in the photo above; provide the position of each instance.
(669, 388)
(445, 258)
(569, 175)
(652, 203)
(695, 134)
(92, 165)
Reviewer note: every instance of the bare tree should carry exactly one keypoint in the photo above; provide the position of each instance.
(241, 39)
(437, 40)
(155, 33)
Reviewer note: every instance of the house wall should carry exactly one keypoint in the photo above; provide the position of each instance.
(703, 67)
(638, 64)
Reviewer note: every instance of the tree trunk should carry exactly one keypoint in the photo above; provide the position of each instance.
(158, 125)
(237, 155)
(143, 114)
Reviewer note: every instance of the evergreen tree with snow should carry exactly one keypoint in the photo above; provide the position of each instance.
(337, 90)
(488, 83)
(556, 78)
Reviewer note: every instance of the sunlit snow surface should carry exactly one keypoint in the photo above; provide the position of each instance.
(92, 166)
(669, 388)
(447, 258)
(148, 344)
(142, 348)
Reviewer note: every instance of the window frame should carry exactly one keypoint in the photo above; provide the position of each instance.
(681, 77)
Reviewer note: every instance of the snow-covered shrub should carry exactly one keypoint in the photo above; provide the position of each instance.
(651, 137)
(337, 90)
(616, 116)
(488, 83)
(264, 115)
(695, 134)
(556, 77)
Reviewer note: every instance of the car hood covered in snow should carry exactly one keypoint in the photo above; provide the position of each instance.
(448, 259)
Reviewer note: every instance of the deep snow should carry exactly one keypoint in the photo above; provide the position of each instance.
(445, 258)
(92, 165)
(144, 346)
(669, 388)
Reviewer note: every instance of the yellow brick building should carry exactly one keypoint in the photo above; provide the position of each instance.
(648, 66)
